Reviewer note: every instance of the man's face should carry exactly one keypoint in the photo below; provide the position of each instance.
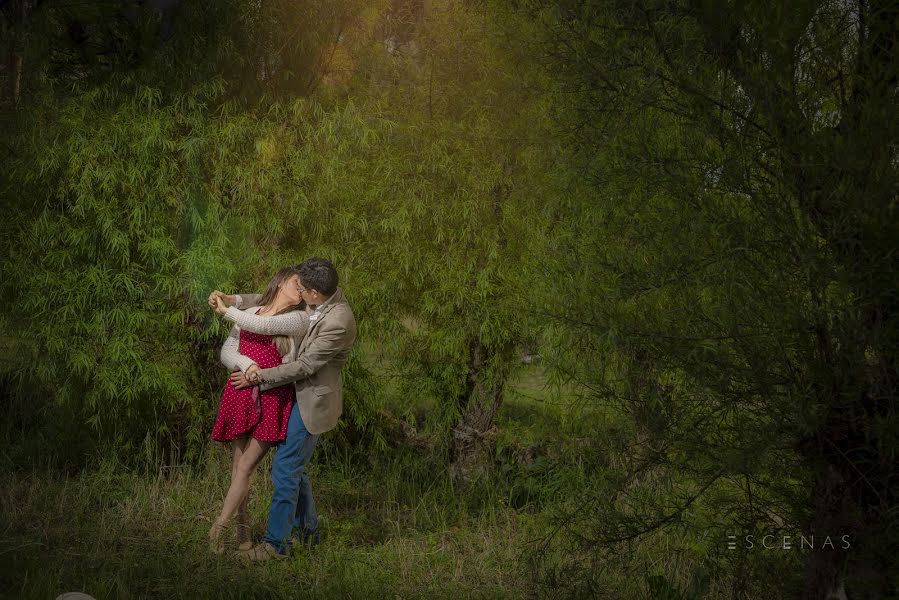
(312, 297)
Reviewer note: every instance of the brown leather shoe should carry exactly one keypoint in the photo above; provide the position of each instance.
(263, 551)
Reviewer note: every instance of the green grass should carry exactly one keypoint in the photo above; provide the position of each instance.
(120, 535)
(393, 524)
(392, 527)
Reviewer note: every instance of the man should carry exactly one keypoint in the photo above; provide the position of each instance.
(328, 334)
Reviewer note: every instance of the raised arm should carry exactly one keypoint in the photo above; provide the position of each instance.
(230, 356)
(246, 300)
(292, 323)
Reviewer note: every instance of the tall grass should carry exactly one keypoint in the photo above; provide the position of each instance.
(118, 534)
(393, 523)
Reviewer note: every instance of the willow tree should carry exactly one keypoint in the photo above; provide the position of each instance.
(467, 212)
(735, 288)
(411, 173)
(302, 133)
(110, 182)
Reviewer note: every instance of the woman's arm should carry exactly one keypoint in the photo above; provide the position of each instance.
(237, 300)
(292, 323)
(246, 300)
(231, 357)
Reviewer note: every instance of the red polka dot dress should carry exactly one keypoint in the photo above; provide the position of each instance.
(263, 414)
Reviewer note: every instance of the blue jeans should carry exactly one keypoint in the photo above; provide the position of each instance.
(292, 504)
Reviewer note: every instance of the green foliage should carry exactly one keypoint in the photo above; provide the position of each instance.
(723, 254)
(687, 209)
(136, 200)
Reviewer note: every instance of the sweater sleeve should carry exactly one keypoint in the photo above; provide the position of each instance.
(230, 356)
(246, 300)
(294, 323)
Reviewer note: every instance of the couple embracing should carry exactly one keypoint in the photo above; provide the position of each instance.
(285, 350)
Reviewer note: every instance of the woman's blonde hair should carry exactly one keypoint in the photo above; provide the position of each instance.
(282, 343)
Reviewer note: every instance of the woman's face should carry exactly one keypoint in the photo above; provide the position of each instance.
(291, 289)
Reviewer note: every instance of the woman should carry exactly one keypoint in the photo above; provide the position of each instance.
(251, 420)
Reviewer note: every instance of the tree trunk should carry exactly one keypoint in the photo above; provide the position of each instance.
(17, 62)
(474, 434)
(855, 488)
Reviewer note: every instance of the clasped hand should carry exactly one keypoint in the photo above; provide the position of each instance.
(244, 380)
(219, 301)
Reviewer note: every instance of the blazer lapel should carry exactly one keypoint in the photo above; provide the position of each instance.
(337, 297)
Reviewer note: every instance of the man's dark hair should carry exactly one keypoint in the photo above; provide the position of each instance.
(318, 274)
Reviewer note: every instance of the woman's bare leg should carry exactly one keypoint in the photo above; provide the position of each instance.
(242, 517)
(242, 520)
(240, 481)
(238, 445)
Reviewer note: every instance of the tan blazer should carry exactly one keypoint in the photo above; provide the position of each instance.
(327, 335)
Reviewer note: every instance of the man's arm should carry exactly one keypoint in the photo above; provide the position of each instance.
(292, 323)
(333, 339)
(230, 355)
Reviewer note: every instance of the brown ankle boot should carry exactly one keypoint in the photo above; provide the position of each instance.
(242, 531)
